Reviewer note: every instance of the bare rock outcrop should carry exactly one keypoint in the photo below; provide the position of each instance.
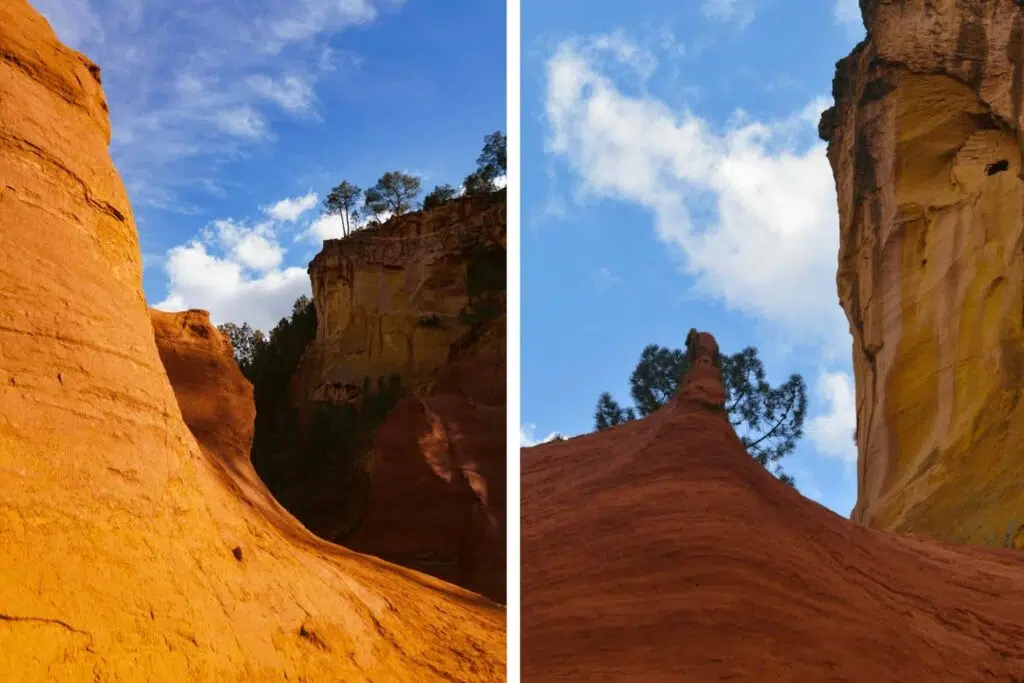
(925, 142)
(658, 550)
(392, 300)
(126, 551)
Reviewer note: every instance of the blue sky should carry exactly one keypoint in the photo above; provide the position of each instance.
(232, 120)
(672, 178)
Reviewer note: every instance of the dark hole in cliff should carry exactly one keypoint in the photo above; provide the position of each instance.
(998, 167)
(95, 71)
(237, 552)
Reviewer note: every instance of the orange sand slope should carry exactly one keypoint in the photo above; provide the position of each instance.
(660, 551)
(130, 548)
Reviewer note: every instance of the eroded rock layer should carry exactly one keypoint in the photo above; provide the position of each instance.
(132, 548)
(392, 300)
(925, 143)
(658, 550)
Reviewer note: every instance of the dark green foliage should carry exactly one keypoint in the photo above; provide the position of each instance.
(476, 183)
(656, 377)
(486, 271)
(490, 165)
(440, 195)
(314, 463)
(246, 341)
(394, 191)
(769, 420)
(610, 413)
(271, 373)
(342, 200)
(334, 448)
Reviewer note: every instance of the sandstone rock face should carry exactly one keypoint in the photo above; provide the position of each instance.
(658, 550)
(925, 142)
(421, 297)
(132, 548)
(437, 502)
(388, 299)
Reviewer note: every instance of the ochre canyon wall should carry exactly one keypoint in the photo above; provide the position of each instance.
(925, 142)
(420, 298)
(135, 541)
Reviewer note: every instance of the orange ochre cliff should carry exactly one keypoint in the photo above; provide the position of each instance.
(136, 542)
(658, 550)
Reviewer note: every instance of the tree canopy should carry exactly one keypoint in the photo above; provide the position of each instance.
(342, 200)
(247, 343)
(442, 194)
(394, 192)
(769, 420)
(490, 165)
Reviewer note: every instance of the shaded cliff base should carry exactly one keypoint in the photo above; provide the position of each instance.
(408, 466)
(659, 550)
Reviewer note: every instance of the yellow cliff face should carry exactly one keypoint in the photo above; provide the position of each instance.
(925, 144)
(392, 300)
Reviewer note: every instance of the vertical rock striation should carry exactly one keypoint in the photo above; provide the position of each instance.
(925, 142)
(392, 300)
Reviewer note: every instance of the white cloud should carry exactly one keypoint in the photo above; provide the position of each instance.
(527, 439)
(292, 208)
(760, 189)
(244, 122)
(328, 226)
(198, 279)
(832, 432)
(236, 271)
(186, 95)
(738, 11)
(749, 207)
(290, 93)
(309, 18)
(640, 60)
(254, 248)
